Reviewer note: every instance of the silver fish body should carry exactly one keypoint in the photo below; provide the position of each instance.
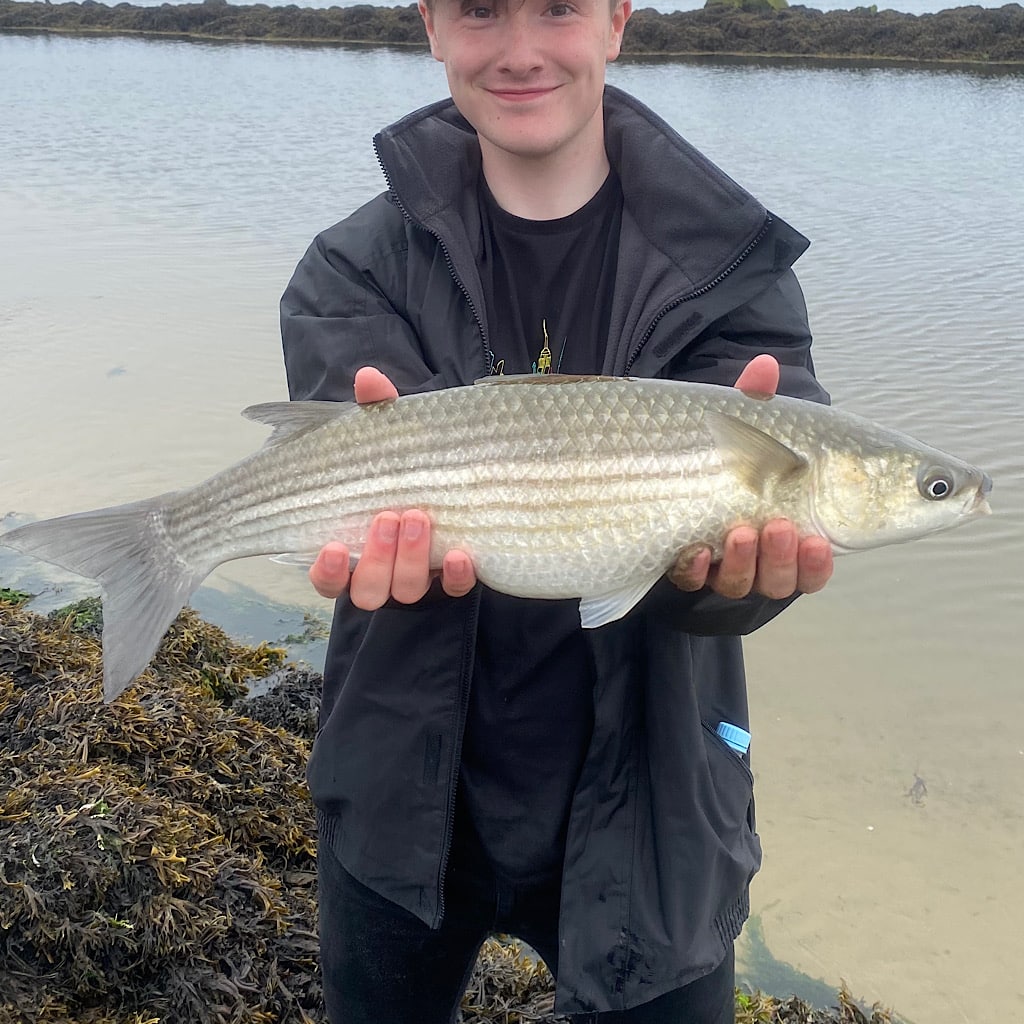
(556, 487)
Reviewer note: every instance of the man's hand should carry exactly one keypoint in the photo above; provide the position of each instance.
(775, 562)
(396, 560)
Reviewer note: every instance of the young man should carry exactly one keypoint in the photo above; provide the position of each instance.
(483, 764)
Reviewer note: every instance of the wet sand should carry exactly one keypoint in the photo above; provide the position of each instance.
(909, 889)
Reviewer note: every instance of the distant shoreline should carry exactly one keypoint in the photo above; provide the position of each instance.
(971, 35)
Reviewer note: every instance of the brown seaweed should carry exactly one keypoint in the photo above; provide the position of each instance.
(157, 859)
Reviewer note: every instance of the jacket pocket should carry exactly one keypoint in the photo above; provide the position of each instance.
(734, 786)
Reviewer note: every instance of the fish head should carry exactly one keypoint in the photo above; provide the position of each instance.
(887, 490)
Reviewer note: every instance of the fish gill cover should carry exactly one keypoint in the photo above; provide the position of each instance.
(157, 854)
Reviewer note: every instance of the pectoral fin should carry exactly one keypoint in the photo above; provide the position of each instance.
(303, 559)
(754, 456)
(599, 611)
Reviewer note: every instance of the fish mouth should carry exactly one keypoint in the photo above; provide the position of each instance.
(980, 506)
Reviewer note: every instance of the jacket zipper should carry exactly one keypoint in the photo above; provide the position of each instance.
(464, 675)
(703, 290)
(488, 354)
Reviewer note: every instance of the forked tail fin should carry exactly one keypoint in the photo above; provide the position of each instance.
(144, 580)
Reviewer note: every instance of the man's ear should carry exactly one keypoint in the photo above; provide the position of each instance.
(428, 22)
(620, 16)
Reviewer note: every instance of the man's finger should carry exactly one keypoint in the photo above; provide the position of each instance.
(458, 576)
(735, 575)
(777, 560)
(370, 385)
(691, 569)
(329, 574)
(410, 578)
(760, 375)
(814, 564)
(370, 586)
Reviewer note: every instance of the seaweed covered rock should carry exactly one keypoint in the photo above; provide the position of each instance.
(288, 699)
(156, 854)
(509, 986)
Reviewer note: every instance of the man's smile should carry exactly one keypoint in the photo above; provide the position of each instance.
(522, 94)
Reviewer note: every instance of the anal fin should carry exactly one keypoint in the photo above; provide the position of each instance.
(605, 608)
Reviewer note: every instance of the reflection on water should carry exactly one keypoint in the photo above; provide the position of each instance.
(156, 195)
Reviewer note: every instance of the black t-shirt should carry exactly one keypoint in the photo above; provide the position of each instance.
(531, 701)
(548, 284)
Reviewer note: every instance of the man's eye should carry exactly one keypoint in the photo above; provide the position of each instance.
(560, 10)
(479, 12)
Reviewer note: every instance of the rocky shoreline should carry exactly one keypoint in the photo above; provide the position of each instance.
(726, 27)
(157, 854)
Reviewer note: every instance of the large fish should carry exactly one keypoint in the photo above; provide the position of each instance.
(556, 486)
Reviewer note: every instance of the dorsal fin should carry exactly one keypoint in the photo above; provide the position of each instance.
(289, 419)
(545, 378)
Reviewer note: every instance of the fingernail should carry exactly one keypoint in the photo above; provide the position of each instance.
(746, 546)
(387, 529)
(335, 561)
(412, 527)
(782, 544)
(816, 560)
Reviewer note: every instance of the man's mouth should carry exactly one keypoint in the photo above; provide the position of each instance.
(522, 95)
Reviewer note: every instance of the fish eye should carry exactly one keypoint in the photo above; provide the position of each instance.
(936, 485)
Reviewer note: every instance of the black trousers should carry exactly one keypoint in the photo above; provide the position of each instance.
(383, 965)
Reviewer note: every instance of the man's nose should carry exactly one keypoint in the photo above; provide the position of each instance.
(519, 44)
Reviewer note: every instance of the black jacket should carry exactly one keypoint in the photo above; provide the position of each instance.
(661, 844)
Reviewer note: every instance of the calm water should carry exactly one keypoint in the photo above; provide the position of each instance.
(154, 198)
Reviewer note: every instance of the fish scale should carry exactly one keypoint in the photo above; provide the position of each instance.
(555, 486)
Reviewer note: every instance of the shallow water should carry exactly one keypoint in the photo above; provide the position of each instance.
(154, 198)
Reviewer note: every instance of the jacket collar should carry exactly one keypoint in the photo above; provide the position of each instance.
(686, 224)
(686, 207)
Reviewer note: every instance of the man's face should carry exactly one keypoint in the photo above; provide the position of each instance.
(527, 74)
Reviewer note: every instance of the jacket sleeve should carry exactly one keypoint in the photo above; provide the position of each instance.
(774, 322)
(338, 312)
